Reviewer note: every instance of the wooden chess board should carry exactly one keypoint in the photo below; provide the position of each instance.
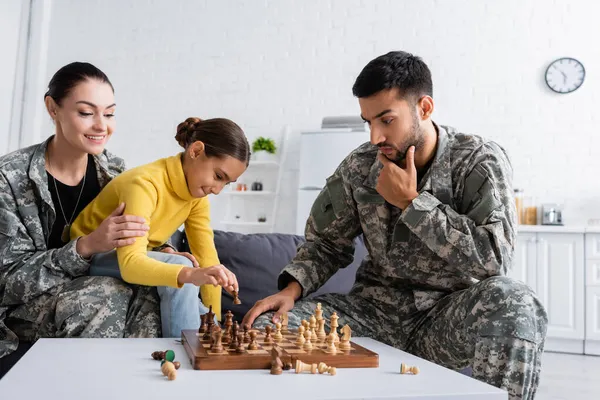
(201, 357)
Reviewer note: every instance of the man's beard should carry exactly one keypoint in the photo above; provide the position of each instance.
(416, 138)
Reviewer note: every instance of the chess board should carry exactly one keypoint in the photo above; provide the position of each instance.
(202, 358)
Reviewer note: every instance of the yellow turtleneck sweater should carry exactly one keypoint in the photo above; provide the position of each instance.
(157, 192)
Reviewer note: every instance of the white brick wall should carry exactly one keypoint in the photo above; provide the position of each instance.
(266, 64)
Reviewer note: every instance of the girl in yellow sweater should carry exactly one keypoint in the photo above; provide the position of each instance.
(169, 193)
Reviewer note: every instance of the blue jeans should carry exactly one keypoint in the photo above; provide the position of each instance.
(179, 308)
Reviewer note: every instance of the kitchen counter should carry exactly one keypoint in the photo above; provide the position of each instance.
(559, 229)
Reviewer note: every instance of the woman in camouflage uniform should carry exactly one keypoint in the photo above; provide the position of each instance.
(44, 287)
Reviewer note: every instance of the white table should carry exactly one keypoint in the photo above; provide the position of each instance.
(103, 369)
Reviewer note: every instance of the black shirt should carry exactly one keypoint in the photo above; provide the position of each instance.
(68, 199)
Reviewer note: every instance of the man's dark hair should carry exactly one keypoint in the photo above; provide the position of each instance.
(396, 69)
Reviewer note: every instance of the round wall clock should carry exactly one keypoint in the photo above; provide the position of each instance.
(565, 75)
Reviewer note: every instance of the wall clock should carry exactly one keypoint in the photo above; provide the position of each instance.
(565, 75)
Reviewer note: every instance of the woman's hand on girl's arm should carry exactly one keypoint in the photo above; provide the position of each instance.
(116, 230)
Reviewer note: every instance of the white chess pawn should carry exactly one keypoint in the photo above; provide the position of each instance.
(307, 344)
(278, 337)
(300, 339)
(331, 349)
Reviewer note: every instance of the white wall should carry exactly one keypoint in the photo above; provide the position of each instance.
(267, 64)
(10, 29)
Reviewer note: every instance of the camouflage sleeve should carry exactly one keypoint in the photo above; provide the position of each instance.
(330, 231)
(25, 272)
(478, 239)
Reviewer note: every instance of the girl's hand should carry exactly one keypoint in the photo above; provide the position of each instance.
(217, 275)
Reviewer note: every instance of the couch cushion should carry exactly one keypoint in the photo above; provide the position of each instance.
(257, 259)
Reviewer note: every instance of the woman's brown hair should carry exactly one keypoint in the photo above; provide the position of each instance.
(221, 137)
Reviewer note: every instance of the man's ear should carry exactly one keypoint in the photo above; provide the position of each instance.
(425, 107)
(196, 149)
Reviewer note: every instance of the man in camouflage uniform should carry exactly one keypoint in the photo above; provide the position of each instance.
(46, 293)
(436, 211)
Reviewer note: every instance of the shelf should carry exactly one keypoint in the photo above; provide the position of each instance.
(249, 193)
(246, 223)
(263, 164)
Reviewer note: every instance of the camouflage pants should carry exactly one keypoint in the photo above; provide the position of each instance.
(90, 307)
(497, 327)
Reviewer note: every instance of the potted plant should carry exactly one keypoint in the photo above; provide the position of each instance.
(263, 149)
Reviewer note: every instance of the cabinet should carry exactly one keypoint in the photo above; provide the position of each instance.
(592, 294)
(552, 264)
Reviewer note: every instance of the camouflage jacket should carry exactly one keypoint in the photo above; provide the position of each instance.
(27, 268)
(458, 231)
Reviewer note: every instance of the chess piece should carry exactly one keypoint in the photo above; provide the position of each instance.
(406, 369)
(307, 344)
(321, 334)
(168, 370)
(234, 334)
(217, 345)
(303, 367)
(276, 364)
(228, 325)
(331, 349)
(236, 299)
(334, 324)
(176, 364)
(287, 366)
(246, 336)
(322, 367)
(168, 355)
(346, 334)
(268, 338)
(300, 339)
(233, 344)
(313, 328)
(284, 323)
(253, 345)
(240, 343)
(210, 322)
(202, 328)
(278, 337)
(319, 312)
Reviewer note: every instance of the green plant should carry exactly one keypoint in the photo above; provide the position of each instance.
(265, 144)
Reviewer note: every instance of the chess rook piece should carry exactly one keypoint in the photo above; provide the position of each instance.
(300, 339)
(240, 343)
(253, 345)
(307, 344)
(268, 338)
(278, 337)
(246, 336)
(331, 349)
(168, 370)
(236, 299)
(346, 334)
(202, 328)
(276, 364)
(407, 369)
(217, 345)
(302, 367)
(322, 367)
(321, 334)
